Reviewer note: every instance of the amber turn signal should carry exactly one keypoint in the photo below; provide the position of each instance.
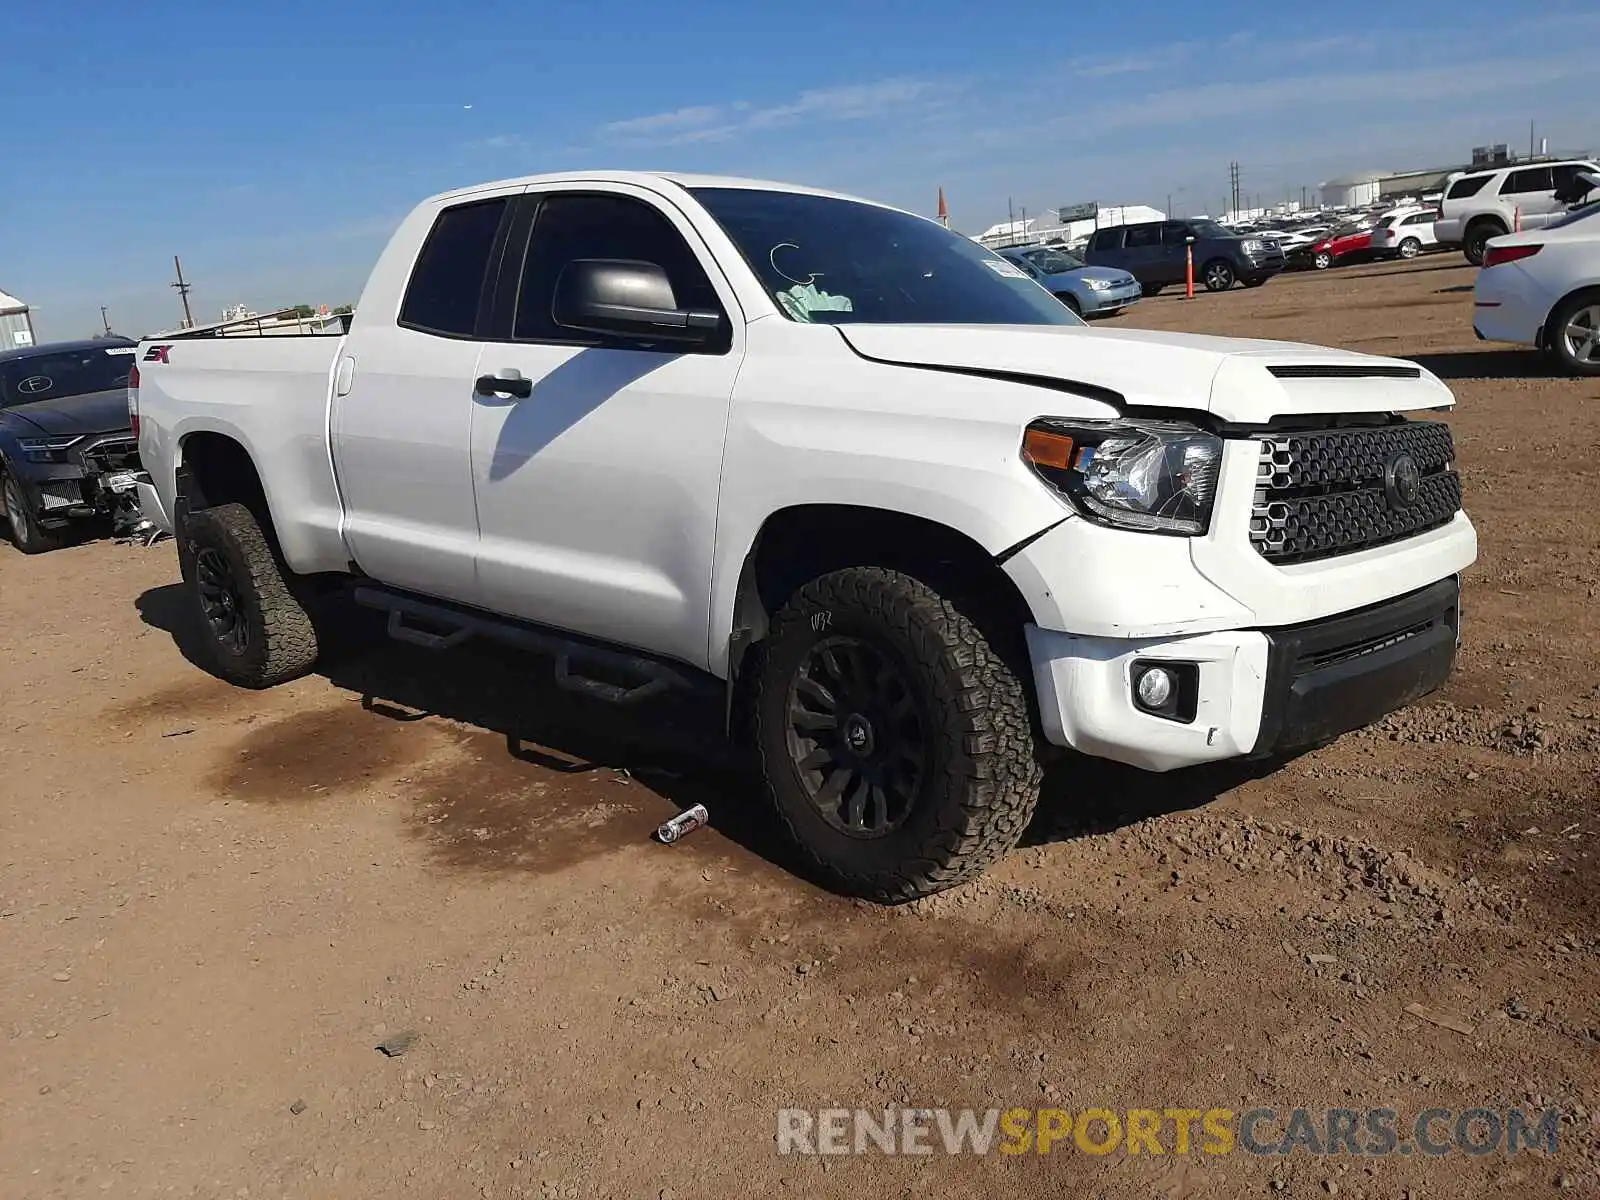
(1045, 448)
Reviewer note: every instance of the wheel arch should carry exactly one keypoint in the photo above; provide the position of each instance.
(799, 543)
(1546, 327)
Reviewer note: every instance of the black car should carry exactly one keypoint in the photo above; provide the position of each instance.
(1153, 252)
(67, 453)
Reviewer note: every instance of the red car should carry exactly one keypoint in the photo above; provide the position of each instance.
(1342, 248)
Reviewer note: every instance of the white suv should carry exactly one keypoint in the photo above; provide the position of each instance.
(1405, 232)
(1485, 204)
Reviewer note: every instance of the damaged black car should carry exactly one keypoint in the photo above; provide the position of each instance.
(67, 453)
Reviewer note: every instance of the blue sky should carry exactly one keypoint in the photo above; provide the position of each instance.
(274, 145)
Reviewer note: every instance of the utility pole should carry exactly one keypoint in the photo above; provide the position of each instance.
(104, 320)
(1233, 177)
(183, 292)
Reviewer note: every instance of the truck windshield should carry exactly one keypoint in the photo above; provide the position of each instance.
(838, 262)
(52, 376)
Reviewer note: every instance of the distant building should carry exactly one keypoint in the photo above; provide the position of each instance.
(1030, 232)
(1352, 191)
(16, 323)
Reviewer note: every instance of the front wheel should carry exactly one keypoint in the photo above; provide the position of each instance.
(1218, 276)
(1410, 248)
(1574, 335)
(1071, 302)
(895, 738)
(1322, 261)
(24, 529)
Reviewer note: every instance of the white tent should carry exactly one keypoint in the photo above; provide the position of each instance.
(16, 323)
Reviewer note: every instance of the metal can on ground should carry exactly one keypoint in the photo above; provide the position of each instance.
(685, 822)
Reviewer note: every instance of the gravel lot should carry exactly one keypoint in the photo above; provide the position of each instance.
(214, 904)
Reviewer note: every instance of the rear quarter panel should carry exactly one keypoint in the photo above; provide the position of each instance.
(269, 394)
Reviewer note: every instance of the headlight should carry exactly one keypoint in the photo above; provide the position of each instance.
(1151, 476)
(1254, 245)
(47, 450)
(1099, 285)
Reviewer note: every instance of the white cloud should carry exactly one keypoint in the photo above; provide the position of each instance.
(715, 123)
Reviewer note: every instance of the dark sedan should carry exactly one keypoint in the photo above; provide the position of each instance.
(67, 453)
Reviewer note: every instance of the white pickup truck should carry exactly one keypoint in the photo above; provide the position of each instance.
(916, 521)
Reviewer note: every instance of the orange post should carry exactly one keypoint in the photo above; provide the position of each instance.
(1516, 220)
(1188, 271)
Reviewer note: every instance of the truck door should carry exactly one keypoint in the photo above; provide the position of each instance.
(597, 466)
(402, 415)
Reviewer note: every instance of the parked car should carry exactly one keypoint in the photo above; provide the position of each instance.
(1153, 253)
(1485, 204)
(1405, 233)
(1087, 291)
(1349, 244)
(850, 473)
(1541, 288)
(67, 454)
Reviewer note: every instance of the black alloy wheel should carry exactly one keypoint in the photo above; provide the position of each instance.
(219, 600)
(857, 737)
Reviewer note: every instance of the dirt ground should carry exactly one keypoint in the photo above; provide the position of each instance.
(214, 904)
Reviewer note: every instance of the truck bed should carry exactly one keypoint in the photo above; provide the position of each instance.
(271, 395)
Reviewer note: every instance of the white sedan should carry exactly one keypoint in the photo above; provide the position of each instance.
(1541, 288)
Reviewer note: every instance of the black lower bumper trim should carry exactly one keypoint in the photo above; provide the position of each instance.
(1328, 677)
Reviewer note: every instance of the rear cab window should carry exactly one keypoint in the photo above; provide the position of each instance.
(1470, 186)
(447, 284)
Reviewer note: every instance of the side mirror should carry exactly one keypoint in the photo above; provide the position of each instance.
(623, 296)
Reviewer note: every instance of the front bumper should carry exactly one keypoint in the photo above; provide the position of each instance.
(1113, 300)
(87, 483)
(1261, 692)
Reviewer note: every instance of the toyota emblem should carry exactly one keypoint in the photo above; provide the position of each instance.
(1402, 481)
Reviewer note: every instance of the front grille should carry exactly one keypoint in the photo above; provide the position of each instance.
(112, 454)
(1328, 492)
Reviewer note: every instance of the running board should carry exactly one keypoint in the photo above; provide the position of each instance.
(435, 626)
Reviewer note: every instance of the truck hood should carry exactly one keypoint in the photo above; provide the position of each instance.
(93, 412)
(1237, 380)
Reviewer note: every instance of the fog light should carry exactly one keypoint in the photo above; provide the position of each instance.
(1155, 687)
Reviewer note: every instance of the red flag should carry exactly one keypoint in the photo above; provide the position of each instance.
(944, 211)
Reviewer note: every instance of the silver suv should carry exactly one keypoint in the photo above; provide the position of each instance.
(1484, 204)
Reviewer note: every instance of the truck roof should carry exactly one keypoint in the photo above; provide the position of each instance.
(652, 179)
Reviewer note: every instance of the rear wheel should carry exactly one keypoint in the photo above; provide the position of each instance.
(257, 634)
(1218, 275)
(1475, 244)
(895, 738)
(23, 527)
(1410, 248)
(1574, 335)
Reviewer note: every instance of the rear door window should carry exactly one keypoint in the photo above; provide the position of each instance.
(1143, 235)
(1107, 239)
(447, 284)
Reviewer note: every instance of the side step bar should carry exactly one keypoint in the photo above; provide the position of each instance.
(436, 626)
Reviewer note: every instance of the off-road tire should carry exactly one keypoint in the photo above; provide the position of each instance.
(981, 773)
(25, 534)
(1475, 242)
(282, 642)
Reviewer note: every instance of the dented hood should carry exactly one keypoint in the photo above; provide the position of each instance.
(1238, 380)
